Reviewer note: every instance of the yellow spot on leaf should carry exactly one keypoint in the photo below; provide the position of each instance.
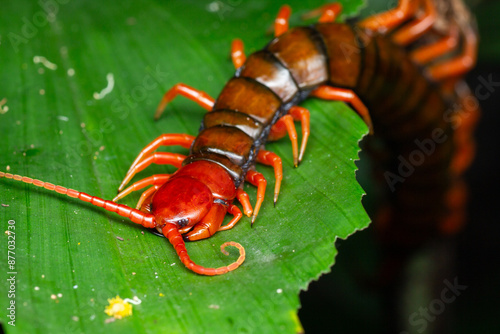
(118, 308)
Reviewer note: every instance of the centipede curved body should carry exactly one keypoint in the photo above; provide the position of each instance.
(408, 110)
(399, 86)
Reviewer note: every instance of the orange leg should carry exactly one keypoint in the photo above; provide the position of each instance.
(418, 27)
(235, 211)
(209, 225)
(283, 126)
(456, 200)
(281, 21)
(467, 119)
(146, 194)
(271, 159)
(387, 20)
(195, 95)
(427, 53)
(162, 158)
(302, 115)
(258, 180)
(243, 198)
(163, 140)
(462, 63)
(237, 53)
(327, 13)
(185, 230)
(344, 95)
(158, 179)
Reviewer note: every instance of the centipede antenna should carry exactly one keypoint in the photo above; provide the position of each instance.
(136, 216)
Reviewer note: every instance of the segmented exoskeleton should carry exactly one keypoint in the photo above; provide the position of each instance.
(387, 67)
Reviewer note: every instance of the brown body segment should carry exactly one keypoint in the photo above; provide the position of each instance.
(236, 171)
(250, 97)
(227, 141)
(368, 67)
(242, 111)
(242, 121)
(266, 69)
(344, 53)
(301, 51)
(403, 105)
(380, 85)
(404, 76)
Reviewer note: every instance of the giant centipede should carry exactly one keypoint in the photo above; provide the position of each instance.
(400, 70)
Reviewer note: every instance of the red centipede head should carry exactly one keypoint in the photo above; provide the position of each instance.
(198, 194)
(182, 201)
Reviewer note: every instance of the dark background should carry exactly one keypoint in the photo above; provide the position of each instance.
(350, 300)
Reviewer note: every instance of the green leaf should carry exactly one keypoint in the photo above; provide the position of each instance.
(68, 259)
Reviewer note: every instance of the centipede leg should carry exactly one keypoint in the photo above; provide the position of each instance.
(283, 126)
(209, 224)
(271, 159)
(185, 230)
(237, 53)
(302, 114)
(235, 211)
(426, 53)
(202, 98)
(169, 139)
(388, 20)
(243, 198)
(456, 200)
(258, 180)
(281, 21)
(146, 194)
(344, 95)
(326, 13)
(461, 64)
(157, 179)
(466, 119)
(418, 27)
(162, 158)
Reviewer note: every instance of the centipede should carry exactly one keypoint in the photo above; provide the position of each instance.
(401, 71)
